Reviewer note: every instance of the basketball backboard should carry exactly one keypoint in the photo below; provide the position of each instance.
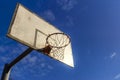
(31, 30)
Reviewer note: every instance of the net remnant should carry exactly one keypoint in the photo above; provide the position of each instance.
(57, 43)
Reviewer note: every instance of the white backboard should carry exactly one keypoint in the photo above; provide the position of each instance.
(32, 31)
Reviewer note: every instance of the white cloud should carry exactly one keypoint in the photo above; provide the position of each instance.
(113, 55)
(49, 15)
(50, 67)
(67, 4)
(4, 59)
(2, 49)
(33, 59)
(30, 59)
(117, 76)
(70, 21)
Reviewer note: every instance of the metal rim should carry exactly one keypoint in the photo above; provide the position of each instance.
(49, 36)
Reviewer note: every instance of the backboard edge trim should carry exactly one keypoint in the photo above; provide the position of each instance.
(13, 18)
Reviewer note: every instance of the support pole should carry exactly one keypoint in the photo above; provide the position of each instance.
(20, 57)
(6, 73)
(7, 67)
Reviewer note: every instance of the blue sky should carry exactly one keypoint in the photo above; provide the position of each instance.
(94, 28)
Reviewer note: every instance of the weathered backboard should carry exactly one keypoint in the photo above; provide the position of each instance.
(32, 31)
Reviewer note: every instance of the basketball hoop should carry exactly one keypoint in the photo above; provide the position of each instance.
(36, 33)
(55, 45)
